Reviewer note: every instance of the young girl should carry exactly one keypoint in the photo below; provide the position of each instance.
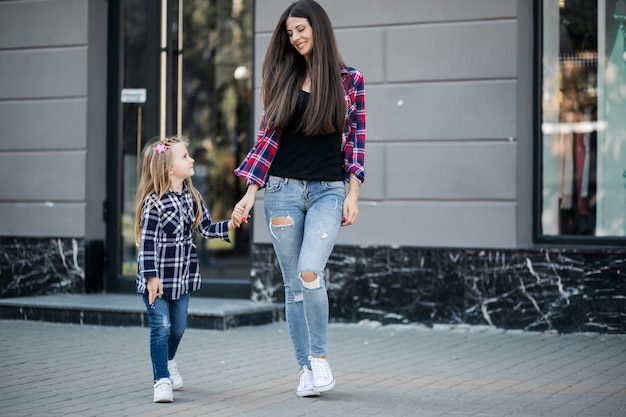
(167, 210)
(311, 142)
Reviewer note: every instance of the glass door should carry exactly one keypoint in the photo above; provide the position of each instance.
(185, 69)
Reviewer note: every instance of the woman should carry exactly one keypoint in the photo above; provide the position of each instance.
(310, 144)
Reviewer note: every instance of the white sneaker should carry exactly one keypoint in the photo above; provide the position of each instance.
(177, 379)
(163, 391)
(305, 388)
(323, 379)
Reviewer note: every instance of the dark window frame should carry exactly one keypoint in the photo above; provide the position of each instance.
(539, 238)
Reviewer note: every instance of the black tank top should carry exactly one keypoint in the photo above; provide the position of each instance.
(312, 158)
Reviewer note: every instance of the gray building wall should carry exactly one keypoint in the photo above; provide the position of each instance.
(446, 214)
(52, 113)
(445, 231)
(449, 115)
(52, 145)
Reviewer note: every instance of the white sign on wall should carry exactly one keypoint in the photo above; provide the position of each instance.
(133, 95)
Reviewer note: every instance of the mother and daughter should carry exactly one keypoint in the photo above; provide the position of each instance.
(308, 156)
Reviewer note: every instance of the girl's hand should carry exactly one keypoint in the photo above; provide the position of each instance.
(155, 289)
(350, 208)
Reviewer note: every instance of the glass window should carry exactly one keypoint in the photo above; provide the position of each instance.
(583, 106)
(208, 91)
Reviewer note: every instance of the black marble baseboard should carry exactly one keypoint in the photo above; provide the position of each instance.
(40, 266)
(561, 290)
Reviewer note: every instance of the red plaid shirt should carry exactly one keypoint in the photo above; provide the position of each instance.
(256, 164)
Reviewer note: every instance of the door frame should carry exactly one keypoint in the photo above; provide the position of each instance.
(114, 282)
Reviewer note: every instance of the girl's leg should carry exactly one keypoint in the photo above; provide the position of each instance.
(178, 317)
(159, 321)
(283, 212)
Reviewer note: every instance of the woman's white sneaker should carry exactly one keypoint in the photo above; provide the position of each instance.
(305, 387)
(323, 379)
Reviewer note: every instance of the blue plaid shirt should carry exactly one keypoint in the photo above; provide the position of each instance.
(166, 249)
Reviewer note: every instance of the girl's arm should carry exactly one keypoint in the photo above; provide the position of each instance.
(147, 245)
(210, 230)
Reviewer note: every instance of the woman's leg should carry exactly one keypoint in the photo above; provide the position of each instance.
(285, 219)
(321, 228)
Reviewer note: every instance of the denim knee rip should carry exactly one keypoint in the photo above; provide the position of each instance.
(285, 221)
(312, 285)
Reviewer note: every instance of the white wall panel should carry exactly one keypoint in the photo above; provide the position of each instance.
(451, 171)
(49, 124)
(360, 13)
(43, 176)
(429, 224)
(43, 74)
(31, 24)
(364, 49)
(453, 110)
(42, 219)
(474, 50)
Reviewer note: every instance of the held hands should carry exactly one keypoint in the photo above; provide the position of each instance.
(155, 289)
(237, 218)
(241, 212)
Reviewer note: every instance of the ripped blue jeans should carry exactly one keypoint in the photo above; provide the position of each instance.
(168, 321)
(304, 218)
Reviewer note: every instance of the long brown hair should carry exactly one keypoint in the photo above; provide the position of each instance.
(155, 178)
(284, 70)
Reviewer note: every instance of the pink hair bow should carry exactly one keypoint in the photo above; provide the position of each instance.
(160, 148)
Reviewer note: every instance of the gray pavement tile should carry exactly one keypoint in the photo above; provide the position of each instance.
(70, 370)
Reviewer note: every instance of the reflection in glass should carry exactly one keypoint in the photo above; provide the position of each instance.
(215, 114)
(583, 123)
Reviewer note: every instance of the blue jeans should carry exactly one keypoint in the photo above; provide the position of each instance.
(168, 321)
(311, 214)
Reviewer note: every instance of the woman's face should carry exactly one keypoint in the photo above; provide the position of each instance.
(300, 34)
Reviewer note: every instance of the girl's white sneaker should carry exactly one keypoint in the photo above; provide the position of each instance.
(177, 379)
(163, 391)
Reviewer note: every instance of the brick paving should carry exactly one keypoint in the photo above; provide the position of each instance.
(52, 369)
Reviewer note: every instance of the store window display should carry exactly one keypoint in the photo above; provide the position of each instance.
(583, 123)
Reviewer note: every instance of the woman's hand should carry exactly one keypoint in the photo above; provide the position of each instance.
(350, 207)
(241, 212)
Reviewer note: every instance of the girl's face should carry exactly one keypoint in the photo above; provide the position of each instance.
(182, 164)
(300, 34)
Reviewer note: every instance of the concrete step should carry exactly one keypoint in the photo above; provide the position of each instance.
(129, 310)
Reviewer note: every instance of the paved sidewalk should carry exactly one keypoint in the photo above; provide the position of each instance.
(50, 369)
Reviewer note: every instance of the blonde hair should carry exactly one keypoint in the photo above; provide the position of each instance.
(156, 162)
